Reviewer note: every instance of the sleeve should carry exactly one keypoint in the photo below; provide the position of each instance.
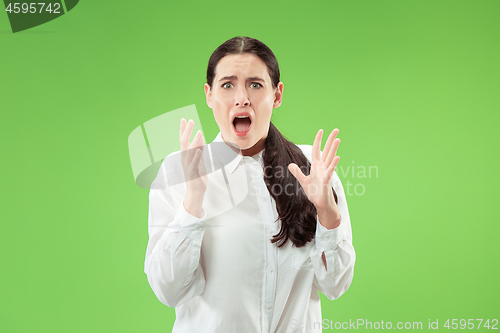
(172, 262)
(338, 249)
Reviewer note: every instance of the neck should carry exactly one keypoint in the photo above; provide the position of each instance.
(257, 148)
(249, 151)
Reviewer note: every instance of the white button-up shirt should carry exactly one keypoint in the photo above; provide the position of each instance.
(221, 272)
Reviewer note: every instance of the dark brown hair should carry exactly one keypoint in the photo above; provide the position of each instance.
(296, 212)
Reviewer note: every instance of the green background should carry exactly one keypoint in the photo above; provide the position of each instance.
(412, 86)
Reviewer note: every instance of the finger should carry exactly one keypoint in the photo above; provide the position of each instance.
(332, 153)
(186, 135)
(296, 172)
(183, 126)
(193, 147)
(187, 154)
(331, 168)
(196, 140)
(201, 139)
(329, 143)
(317, 146)
(182, 129)
(201, 163)
(193, 166)
(197, 158)
(201, 146)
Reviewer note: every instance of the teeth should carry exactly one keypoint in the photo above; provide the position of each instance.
(241, 116)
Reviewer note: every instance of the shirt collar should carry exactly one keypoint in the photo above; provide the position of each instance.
(231, 166)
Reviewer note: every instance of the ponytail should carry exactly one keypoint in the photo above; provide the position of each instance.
(296, 212)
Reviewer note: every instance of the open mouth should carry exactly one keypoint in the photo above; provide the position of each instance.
(242, 124)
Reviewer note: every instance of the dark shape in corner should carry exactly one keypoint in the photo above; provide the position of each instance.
(22, 21)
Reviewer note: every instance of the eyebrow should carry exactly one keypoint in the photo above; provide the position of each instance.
(232, 77)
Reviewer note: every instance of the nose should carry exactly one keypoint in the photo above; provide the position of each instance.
(241, 98)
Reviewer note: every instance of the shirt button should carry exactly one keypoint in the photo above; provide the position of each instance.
(269, 306)
(270, 232)
(271, 269)
(264, 199)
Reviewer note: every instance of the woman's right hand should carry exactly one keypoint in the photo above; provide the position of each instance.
(194, 168)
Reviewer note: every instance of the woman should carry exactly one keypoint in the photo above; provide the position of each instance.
(256, 264)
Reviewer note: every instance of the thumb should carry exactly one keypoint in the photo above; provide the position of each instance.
(296, 172)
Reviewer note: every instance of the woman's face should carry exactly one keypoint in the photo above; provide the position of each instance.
(242, 99)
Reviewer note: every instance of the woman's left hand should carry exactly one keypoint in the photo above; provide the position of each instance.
(317, 184)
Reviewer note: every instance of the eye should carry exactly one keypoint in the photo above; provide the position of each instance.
(227, 85)
(256, 85)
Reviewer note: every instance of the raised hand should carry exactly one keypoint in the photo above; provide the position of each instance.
(194, 168)
(317, 184)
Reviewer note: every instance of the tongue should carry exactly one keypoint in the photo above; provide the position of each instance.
(242, 124)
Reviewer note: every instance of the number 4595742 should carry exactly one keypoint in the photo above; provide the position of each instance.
(31, 7)
(471, 324)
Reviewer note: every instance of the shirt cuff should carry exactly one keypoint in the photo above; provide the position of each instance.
(327, 239)
(190, 225)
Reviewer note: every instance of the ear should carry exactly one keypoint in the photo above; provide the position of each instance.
(278, 95)
(208, 93)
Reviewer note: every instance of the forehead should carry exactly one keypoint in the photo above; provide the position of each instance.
(245, 64)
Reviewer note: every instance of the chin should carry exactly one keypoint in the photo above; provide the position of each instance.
(241, 143)
(244, 143)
